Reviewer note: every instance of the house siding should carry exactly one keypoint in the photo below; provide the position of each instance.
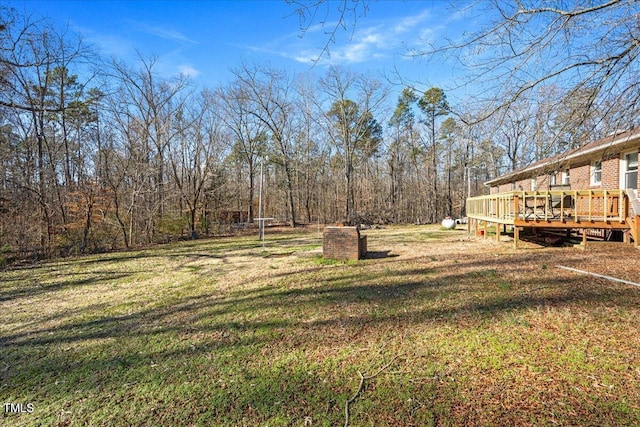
(592, 207)
(579, 177)
(579, 167)
(611, 172)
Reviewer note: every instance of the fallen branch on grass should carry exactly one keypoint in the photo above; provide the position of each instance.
(363, 378)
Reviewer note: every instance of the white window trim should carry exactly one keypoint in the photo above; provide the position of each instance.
(553, 179)
(622, 172)
(566, 177)
(533, 184)
(592, 173)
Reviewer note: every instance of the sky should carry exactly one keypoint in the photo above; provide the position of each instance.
(205, 39)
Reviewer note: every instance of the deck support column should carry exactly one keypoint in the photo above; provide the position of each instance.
(579, 212)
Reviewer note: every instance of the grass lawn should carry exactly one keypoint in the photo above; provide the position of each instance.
(446, 330)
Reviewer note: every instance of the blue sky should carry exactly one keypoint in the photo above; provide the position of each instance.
(204, 39)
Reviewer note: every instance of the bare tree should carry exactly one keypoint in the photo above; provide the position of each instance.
(350, 122)
(270, 93)
(514, 135)
(433, 104)
(333, 16)
(250, 137)
(449, 132)
(311, 154)
(35, 60)
(144, 105)
(577, 47)
(190, 156)
(406, 144)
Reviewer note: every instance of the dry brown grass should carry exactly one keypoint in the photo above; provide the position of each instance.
(224, 332)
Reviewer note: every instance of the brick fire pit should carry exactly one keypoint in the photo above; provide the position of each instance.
(343, 243)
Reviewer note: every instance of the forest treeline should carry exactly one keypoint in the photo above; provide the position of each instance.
(96, 154)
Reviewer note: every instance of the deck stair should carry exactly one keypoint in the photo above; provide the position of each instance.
(634, 231)
(635, 202)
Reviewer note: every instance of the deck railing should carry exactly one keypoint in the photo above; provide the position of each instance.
(554, 205)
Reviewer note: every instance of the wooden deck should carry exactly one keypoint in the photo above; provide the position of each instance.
(557, 209)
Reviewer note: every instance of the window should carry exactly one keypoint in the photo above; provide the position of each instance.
(552, 179)
(596, 172)
(534, 184)
(630, 169)
(566, 178)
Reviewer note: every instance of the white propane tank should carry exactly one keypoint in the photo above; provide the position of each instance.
(449, 223)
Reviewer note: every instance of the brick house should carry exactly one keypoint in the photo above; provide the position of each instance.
(591, 191)
(607, 164)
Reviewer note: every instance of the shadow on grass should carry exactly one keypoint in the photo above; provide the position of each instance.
(158, 348)
(463, 293)
(380, 254)
(35, 288)
(287, 389)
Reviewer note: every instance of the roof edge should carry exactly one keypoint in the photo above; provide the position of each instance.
(587, 150)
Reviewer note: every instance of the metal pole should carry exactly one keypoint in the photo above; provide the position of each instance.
(260, 220)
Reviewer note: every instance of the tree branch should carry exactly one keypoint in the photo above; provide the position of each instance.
(363, 378)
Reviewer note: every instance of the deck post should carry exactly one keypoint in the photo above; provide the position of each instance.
(580, 214)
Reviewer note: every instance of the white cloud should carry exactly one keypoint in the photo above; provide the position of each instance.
(188, 70)
(306, 57)
(381, 38)
(112, 45)
(410, 22)
(108, 44)
(164, 33)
